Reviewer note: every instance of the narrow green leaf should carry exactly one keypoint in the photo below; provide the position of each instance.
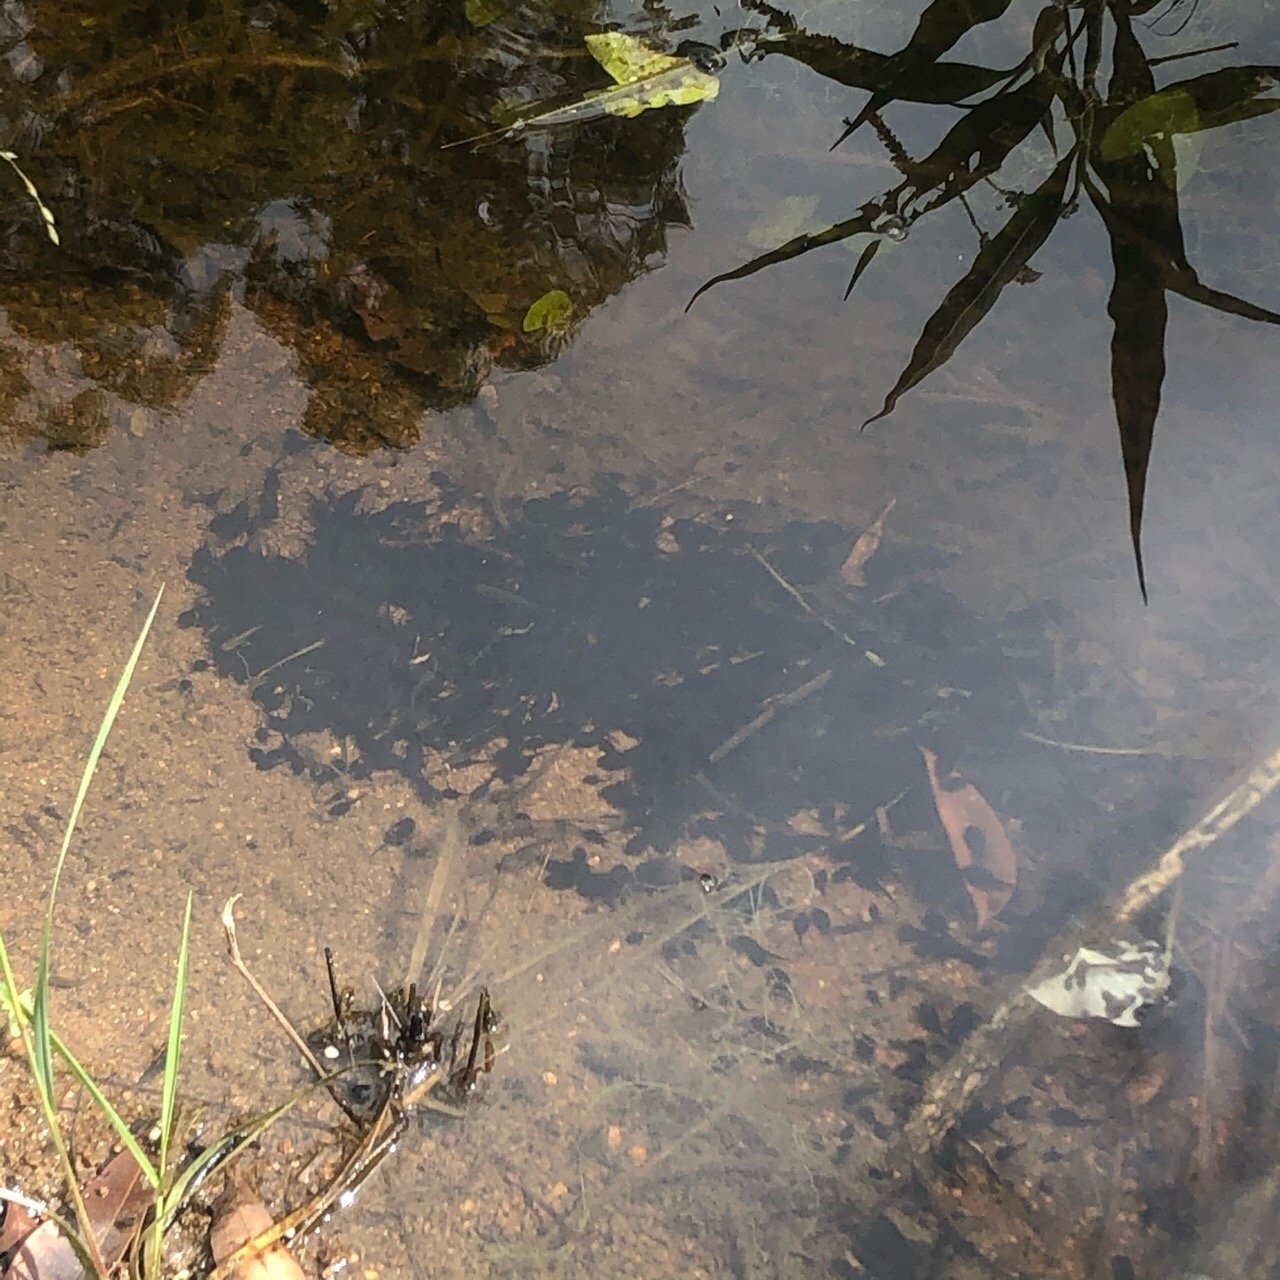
(104, 1105)
(67, 1228)
(173, 1053)
(226, 1148)
(40, 1011)
(82, 1242)
(997, 264)
(95, 752)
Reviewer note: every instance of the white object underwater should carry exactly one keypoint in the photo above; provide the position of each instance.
(1112, 982)
(1115, 980)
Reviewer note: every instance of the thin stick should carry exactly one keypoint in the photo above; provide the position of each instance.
(771, 708)
(233, 945)
(794, 592)
(1261, 782)
(436, 976)
(1088, 748)
(289, 657)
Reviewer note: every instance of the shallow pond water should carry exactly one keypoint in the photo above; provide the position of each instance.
(537, 618)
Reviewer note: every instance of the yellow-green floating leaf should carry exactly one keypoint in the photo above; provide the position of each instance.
(552, 312)
(646, 76)
(480, 13)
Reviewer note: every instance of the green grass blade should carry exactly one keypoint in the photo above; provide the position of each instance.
(173, 1054)
(114, 1118)
(43, 1063)
(226, 1149)
(84, 1244)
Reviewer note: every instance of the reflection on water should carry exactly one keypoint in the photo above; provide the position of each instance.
(582, 670)
(298, 163)
(1119, 154)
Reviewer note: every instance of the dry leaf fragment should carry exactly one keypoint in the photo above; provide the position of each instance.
(866, 546)
(116, 1198)
(16, 1224)
(986, 860)
(45, 1254)
(239, 1216)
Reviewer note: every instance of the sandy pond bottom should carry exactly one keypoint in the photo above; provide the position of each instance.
(726, 983)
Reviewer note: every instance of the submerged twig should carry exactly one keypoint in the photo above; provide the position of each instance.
(798, 596)
(1088, 748)
(233, 946)
(770, 709)
(46, 214)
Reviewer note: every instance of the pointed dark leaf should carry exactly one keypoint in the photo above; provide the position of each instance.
(997, 264)
(1140, 203)
(794, 248)
(1188, 285)
(864, 261)
(1140, 194)
(975, 147)
(1139, 314)
(947, 82)
(1209, 101)
(1131, 77)
(941, 26)
(1140, 210)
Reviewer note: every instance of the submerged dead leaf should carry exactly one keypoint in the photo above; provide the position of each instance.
(116, 1198)
(865, 547)
(979, 843)
(239, 1216)
(16, 1224)
(45, 1255)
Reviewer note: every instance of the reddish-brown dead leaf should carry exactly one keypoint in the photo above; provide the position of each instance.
(16, 1225)
(989, 865)
(865, 547)
(116, 1197)
(239, 1216)
(45, 1255)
